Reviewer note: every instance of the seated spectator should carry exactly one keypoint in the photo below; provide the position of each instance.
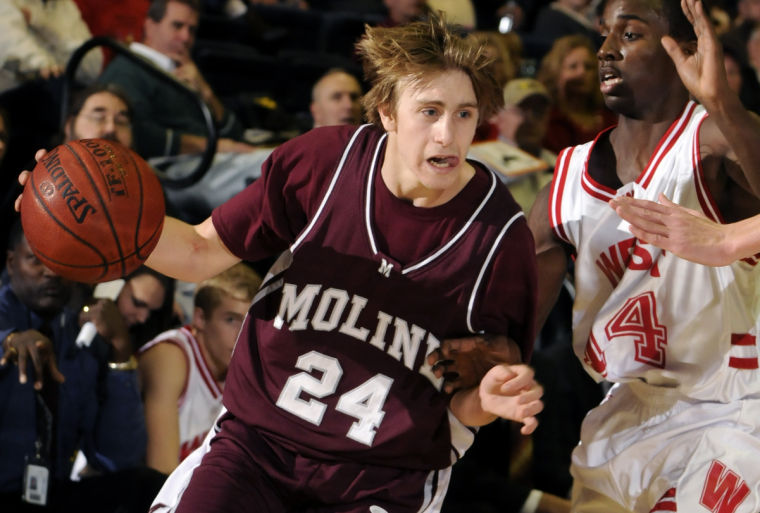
(120, 20)
(742, 79)
(183, 370)
(169, 127)
(401, 12)
(99, 111)
(524, 119)
(57, 399)
(564, 18)
(335, 99)
(38, 37)
(569, 73)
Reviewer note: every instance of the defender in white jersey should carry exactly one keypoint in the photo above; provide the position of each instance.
(183, 370)
(680, 430)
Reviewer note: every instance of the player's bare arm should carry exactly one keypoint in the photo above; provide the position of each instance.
(163, 371)
(688, 233)
(506, 391)
(729, 136)
(551, 255)
(190, 252)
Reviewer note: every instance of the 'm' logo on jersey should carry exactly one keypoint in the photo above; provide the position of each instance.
(724, 490)
(626, 254)
(385, 268)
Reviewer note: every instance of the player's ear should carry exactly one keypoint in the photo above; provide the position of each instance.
(199, 318)
(387, 117)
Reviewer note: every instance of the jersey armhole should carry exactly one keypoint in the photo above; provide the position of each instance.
(557, 190)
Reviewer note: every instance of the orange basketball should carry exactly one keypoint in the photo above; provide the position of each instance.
(92, 210)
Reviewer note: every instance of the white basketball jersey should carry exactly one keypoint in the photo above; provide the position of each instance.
(642, 313)
(201, 399)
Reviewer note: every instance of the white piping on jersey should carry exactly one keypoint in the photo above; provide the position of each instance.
(367, 213)
(334, 180)
(441, 250)
(485, 265)
(459, 234)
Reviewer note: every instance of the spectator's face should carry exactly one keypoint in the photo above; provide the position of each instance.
(525, 124)
(578, 75)
(429, 135)
(105, 116)
(35, 285)
(733, 73)
(404, 11)
(221, 327)
(336, 101)
(174, 35)
(750, 9)
(140, 296)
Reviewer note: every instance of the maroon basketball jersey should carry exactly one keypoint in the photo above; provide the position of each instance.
(331, 358)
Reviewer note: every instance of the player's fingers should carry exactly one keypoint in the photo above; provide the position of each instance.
(40, 154)
(521, 378)
(529, 425)
(673, 49)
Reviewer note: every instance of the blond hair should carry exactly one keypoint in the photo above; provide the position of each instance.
(418, 50)
(551, 66)
(239, 282)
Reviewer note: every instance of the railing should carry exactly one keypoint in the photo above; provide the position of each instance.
(211, 129)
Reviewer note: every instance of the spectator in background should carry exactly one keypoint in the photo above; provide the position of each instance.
(122, 20)
(569, 73)
(742, 79)
(37, 38)
(63, 397)
(100, 111)
(401, 12)
(524, 119)
(4, 133)
(169, 127)
(565, 18)
(336, 99)
(183, 370)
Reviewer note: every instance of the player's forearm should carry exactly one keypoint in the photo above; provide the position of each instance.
(466, 407)
(743, 238)
(741, 130)
(190, 253)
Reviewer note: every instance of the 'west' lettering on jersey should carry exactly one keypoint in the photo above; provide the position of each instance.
(626, 254)
(331, 304)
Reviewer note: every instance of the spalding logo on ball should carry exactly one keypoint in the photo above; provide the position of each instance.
(92, 210)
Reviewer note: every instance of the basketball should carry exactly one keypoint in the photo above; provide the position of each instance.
(92, 210)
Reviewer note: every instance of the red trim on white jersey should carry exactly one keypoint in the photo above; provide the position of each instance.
(557, 189)
(666, 143)
(204, 369)
(706, 201)
(591, 186)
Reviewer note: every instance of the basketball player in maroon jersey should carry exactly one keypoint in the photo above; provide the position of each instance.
(390, 242)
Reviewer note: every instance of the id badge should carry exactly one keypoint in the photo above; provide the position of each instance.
(36, 477)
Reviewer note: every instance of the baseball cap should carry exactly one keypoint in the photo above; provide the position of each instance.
(518, 89)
